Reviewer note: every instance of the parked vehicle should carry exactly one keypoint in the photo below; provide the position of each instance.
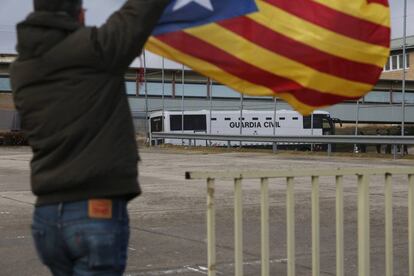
(253, 122)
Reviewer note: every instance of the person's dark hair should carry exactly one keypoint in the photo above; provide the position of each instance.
(71, 7)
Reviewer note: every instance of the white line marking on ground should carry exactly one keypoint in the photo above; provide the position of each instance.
(270, 261)
(200, 269)
(196, 269)
(160, 272)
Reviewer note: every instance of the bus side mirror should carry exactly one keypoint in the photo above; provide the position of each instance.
(336, 120)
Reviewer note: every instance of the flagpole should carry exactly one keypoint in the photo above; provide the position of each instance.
(356, 124)
(404, 65)
(137, 81)
(147, 134)
(210, 83)
(274, 123)
(312, 129)
(163, 93)
(182, 103)
(241, 116)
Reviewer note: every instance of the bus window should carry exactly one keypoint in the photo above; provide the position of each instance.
(320, 121)
(191, 122)
(317, 121)
(325, 123)
(156, 124)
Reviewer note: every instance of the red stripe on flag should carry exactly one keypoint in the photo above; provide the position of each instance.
(204, 51)
(302, 53)
(336, 21)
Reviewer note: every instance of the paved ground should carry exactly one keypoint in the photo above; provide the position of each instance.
(168, 222)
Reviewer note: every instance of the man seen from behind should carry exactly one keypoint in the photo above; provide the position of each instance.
(68, 86)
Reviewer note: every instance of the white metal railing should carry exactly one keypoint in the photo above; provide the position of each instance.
(290, 175)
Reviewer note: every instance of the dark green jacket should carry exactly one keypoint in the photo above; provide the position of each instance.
(68, 86)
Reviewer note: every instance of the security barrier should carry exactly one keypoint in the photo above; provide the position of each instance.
(362, 216)
(320, 139)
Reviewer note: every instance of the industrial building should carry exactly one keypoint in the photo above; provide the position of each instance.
(175, 88)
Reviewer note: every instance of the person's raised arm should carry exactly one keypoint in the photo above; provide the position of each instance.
(122, 37)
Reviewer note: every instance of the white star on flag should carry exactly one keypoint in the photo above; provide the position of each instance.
(181, 3)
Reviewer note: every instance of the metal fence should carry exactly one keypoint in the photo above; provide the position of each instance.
(316, 139)
(363, 207)
(284, 140)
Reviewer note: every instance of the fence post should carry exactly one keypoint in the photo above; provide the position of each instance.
(388, 226)
(363, 226)
(264, 200)
(290, 222)
(394, 150)
(150, 138)
(339, 226)
(315, 226)
(238, 227)
(411, 224)
(211, 228)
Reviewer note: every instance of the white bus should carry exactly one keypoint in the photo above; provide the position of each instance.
(254, 122)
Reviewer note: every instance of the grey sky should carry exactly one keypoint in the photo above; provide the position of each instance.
(13, 11)
(397, 13)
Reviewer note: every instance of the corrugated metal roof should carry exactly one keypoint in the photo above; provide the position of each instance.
(397, 43)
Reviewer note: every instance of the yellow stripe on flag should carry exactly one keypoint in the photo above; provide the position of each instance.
(318, 37)
(372, 12)
(276, 64)
(304, 109)
(158, 47)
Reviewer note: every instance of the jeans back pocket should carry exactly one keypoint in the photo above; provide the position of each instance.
(97, 251)
(103, 250)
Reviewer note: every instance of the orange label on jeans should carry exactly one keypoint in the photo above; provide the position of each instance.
(100, 208)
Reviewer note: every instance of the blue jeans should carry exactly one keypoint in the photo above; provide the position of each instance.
(70, 243)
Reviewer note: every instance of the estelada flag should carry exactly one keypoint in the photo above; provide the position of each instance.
(311, 53)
